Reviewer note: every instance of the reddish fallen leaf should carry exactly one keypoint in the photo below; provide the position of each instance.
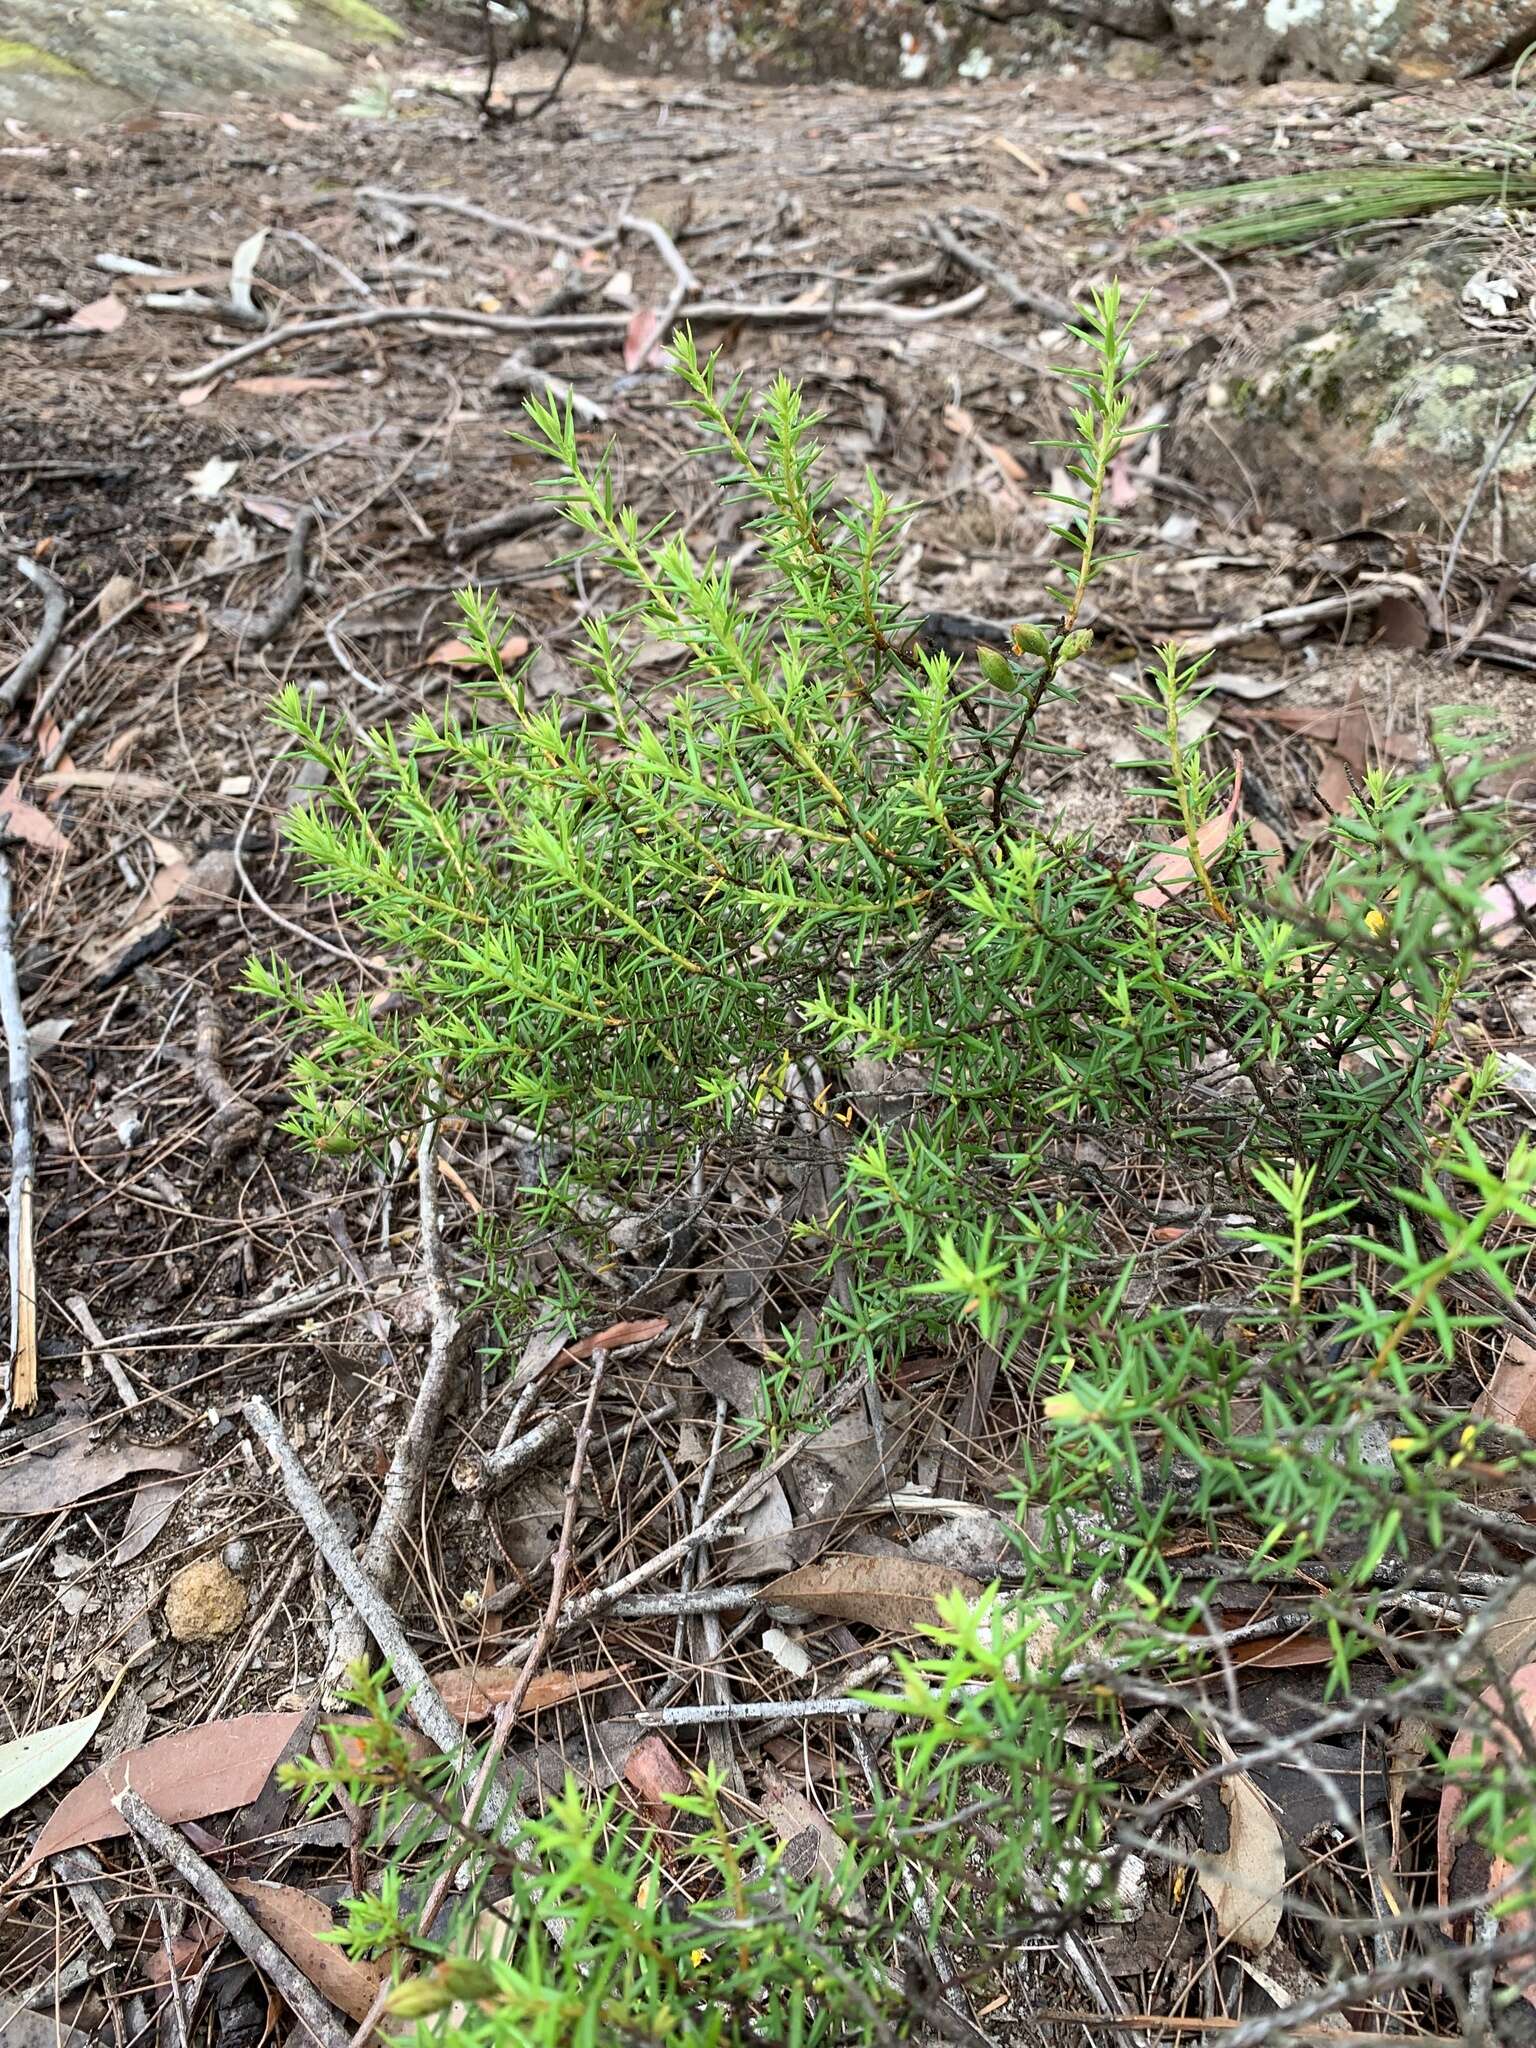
(640, 337)
(895, 1593)
(296, 1922)
(287, 387)
(1511, 1397)
(40, 1485)
(959, 421)
(195, 394)
(473, 1692)
(101, 316)
(185, 1776)
(22, 820)
(654, 1773)
(1171, 869)
(1122, 485)
(452, 650)
(614, 1338)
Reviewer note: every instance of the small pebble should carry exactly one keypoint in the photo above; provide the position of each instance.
(237, 1555)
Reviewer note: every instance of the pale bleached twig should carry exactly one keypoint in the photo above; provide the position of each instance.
(111, 1364)
(425, 1704)
(407, 1470)
(705, 313)
(301, 1998)
(55, 611)
(443, 202)
(507, 1712)
(20, 1390)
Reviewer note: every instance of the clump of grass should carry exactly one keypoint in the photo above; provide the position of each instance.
(1304, 206)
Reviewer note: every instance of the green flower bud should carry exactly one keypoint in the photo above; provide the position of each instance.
(996, 667)
(417, 1998)
(1075, 644)
(1032, 640)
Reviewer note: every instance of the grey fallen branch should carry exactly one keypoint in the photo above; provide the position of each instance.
(442, 202)
(37, 656)
(255, 629)
(300, 1996)
(516, 374)
(446, 1345)
(1344, 604)
(513, 1455)
(21, 1365)
(704, 313)
(834, 1707)
(426, 1704)
(504, 525)
(1024, 298)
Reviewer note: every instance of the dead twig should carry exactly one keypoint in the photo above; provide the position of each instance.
(503, 525)
(20, 1391)
(706, 313)
(603, 1599)
(111, 1364)
(408, 1468)
(236, 1123)
(444, 202)
(425, 1702)
(255, 629)
(37, 656)
(1023, 297)
(507, 117)
(299, 1995)
(1490, 463)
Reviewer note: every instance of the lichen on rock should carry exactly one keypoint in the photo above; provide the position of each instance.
(1383, 407)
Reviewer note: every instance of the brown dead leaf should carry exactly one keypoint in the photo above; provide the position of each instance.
(22, 820)
(154, 1502)
(959, 421)
(1245, 1882)
(40, 1485)
(296, 1921)
(1511, 1397)
(894, 1593)
(1401, 623)
(1007, 462)
(614, 1338)
(109, 781)
(1463, 1868)
(1171, 868)
(185, 1776)
(473, 1692)
(812, 1846)
(287, 387)
(101, 316)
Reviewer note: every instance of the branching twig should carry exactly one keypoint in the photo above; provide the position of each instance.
(20, 1390)
(236, 1122)
(1022, 296)
(505, 117)
(588, 1606)
(302, 2000)
(706, 313)
(55, 611)
(426, 1705)
(407, 1471)
(445, 203)
(255, 629)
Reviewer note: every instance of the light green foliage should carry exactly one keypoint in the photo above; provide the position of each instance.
(636, 929)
